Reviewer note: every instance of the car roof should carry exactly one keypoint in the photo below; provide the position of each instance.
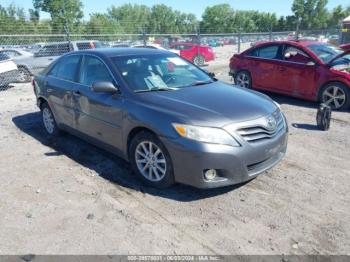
(66, 42)
(300, 42)
(127, 51)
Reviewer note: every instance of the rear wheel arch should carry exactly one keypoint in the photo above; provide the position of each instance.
(25, 67)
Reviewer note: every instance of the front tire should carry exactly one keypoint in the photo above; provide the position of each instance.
(49, 121)
(24, 75)
(151, 161)
(243, 79)
(335, 95)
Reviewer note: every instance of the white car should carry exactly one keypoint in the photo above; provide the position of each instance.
(156, 46)
(8, 70)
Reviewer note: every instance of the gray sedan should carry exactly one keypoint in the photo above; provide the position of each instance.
(170, 119)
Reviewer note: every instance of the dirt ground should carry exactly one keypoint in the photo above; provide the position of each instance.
(65, 196)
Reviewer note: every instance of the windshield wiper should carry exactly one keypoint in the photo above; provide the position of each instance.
(200, 83)
(155, 89)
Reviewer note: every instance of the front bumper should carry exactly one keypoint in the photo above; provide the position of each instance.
(234, 164)
(9, 77)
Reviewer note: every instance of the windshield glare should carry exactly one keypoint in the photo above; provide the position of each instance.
(326, 52)
(159, 72)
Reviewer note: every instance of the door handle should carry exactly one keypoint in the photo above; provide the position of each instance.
(50, 59)
(76, 93)
(49, 90)
(282, 69)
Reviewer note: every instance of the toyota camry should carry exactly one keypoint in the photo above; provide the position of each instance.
(171, 120)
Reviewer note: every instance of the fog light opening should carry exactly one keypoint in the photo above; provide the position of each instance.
(210, 174)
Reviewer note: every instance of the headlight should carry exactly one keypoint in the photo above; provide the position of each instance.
(206, 134)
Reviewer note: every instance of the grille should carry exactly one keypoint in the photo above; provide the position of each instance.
(262, 130)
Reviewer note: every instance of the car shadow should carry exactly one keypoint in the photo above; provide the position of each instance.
(282, 99)
(306, 127)
(105, 164)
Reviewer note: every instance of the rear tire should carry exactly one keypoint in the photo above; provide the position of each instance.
(336, 95)
(198, 60)
(151, 161)
(49, 121)
(243, 79)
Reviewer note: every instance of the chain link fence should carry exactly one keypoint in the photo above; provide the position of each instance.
(22, 56)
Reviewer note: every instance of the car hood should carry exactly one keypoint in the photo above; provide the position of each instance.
(346, 52)
(216, 104)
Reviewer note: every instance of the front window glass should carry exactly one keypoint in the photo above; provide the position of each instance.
(93, 70)
(295, 55)
(159, 72)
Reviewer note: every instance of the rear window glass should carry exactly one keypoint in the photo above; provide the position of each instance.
(67, 68)
(268, 52)
(88, 45)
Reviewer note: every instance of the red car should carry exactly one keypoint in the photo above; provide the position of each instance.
(197, 54)
(345, 46)
(304, 69)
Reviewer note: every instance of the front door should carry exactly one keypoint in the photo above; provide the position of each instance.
(262, 63)
(98, 115)
(296, 73)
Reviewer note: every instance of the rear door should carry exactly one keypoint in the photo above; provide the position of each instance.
(262, 66)
(60, 83)
(98, 115)
(296, 72)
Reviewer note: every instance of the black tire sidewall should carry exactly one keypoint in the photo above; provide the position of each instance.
(168, 179)
(56, 131)
(346, 92)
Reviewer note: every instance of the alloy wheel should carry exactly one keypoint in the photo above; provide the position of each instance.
(48, 120)
(243, 80)
(334, 96)
(198, 60)
(150, 161)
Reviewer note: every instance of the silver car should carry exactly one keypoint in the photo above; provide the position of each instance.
(169, 118)
(31, 65)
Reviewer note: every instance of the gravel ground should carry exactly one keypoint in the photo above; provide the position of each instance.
(65, 196)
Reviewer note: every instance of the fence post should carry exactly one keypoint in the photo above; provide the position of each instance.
(270, 36)
(239, 41)
(144, 37)
(198, 39)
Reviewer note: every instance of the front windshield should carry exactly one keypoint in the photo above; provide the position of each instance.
(145, 73)
(325, 52)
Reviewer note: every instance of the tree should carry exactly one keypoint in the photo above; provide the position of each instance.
(311, 14)
(63, 12)
(102, 24)
(337, 15)
(133, 18)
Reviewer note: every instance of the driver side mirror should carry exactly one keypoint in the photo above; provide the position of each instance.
(104, 87)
